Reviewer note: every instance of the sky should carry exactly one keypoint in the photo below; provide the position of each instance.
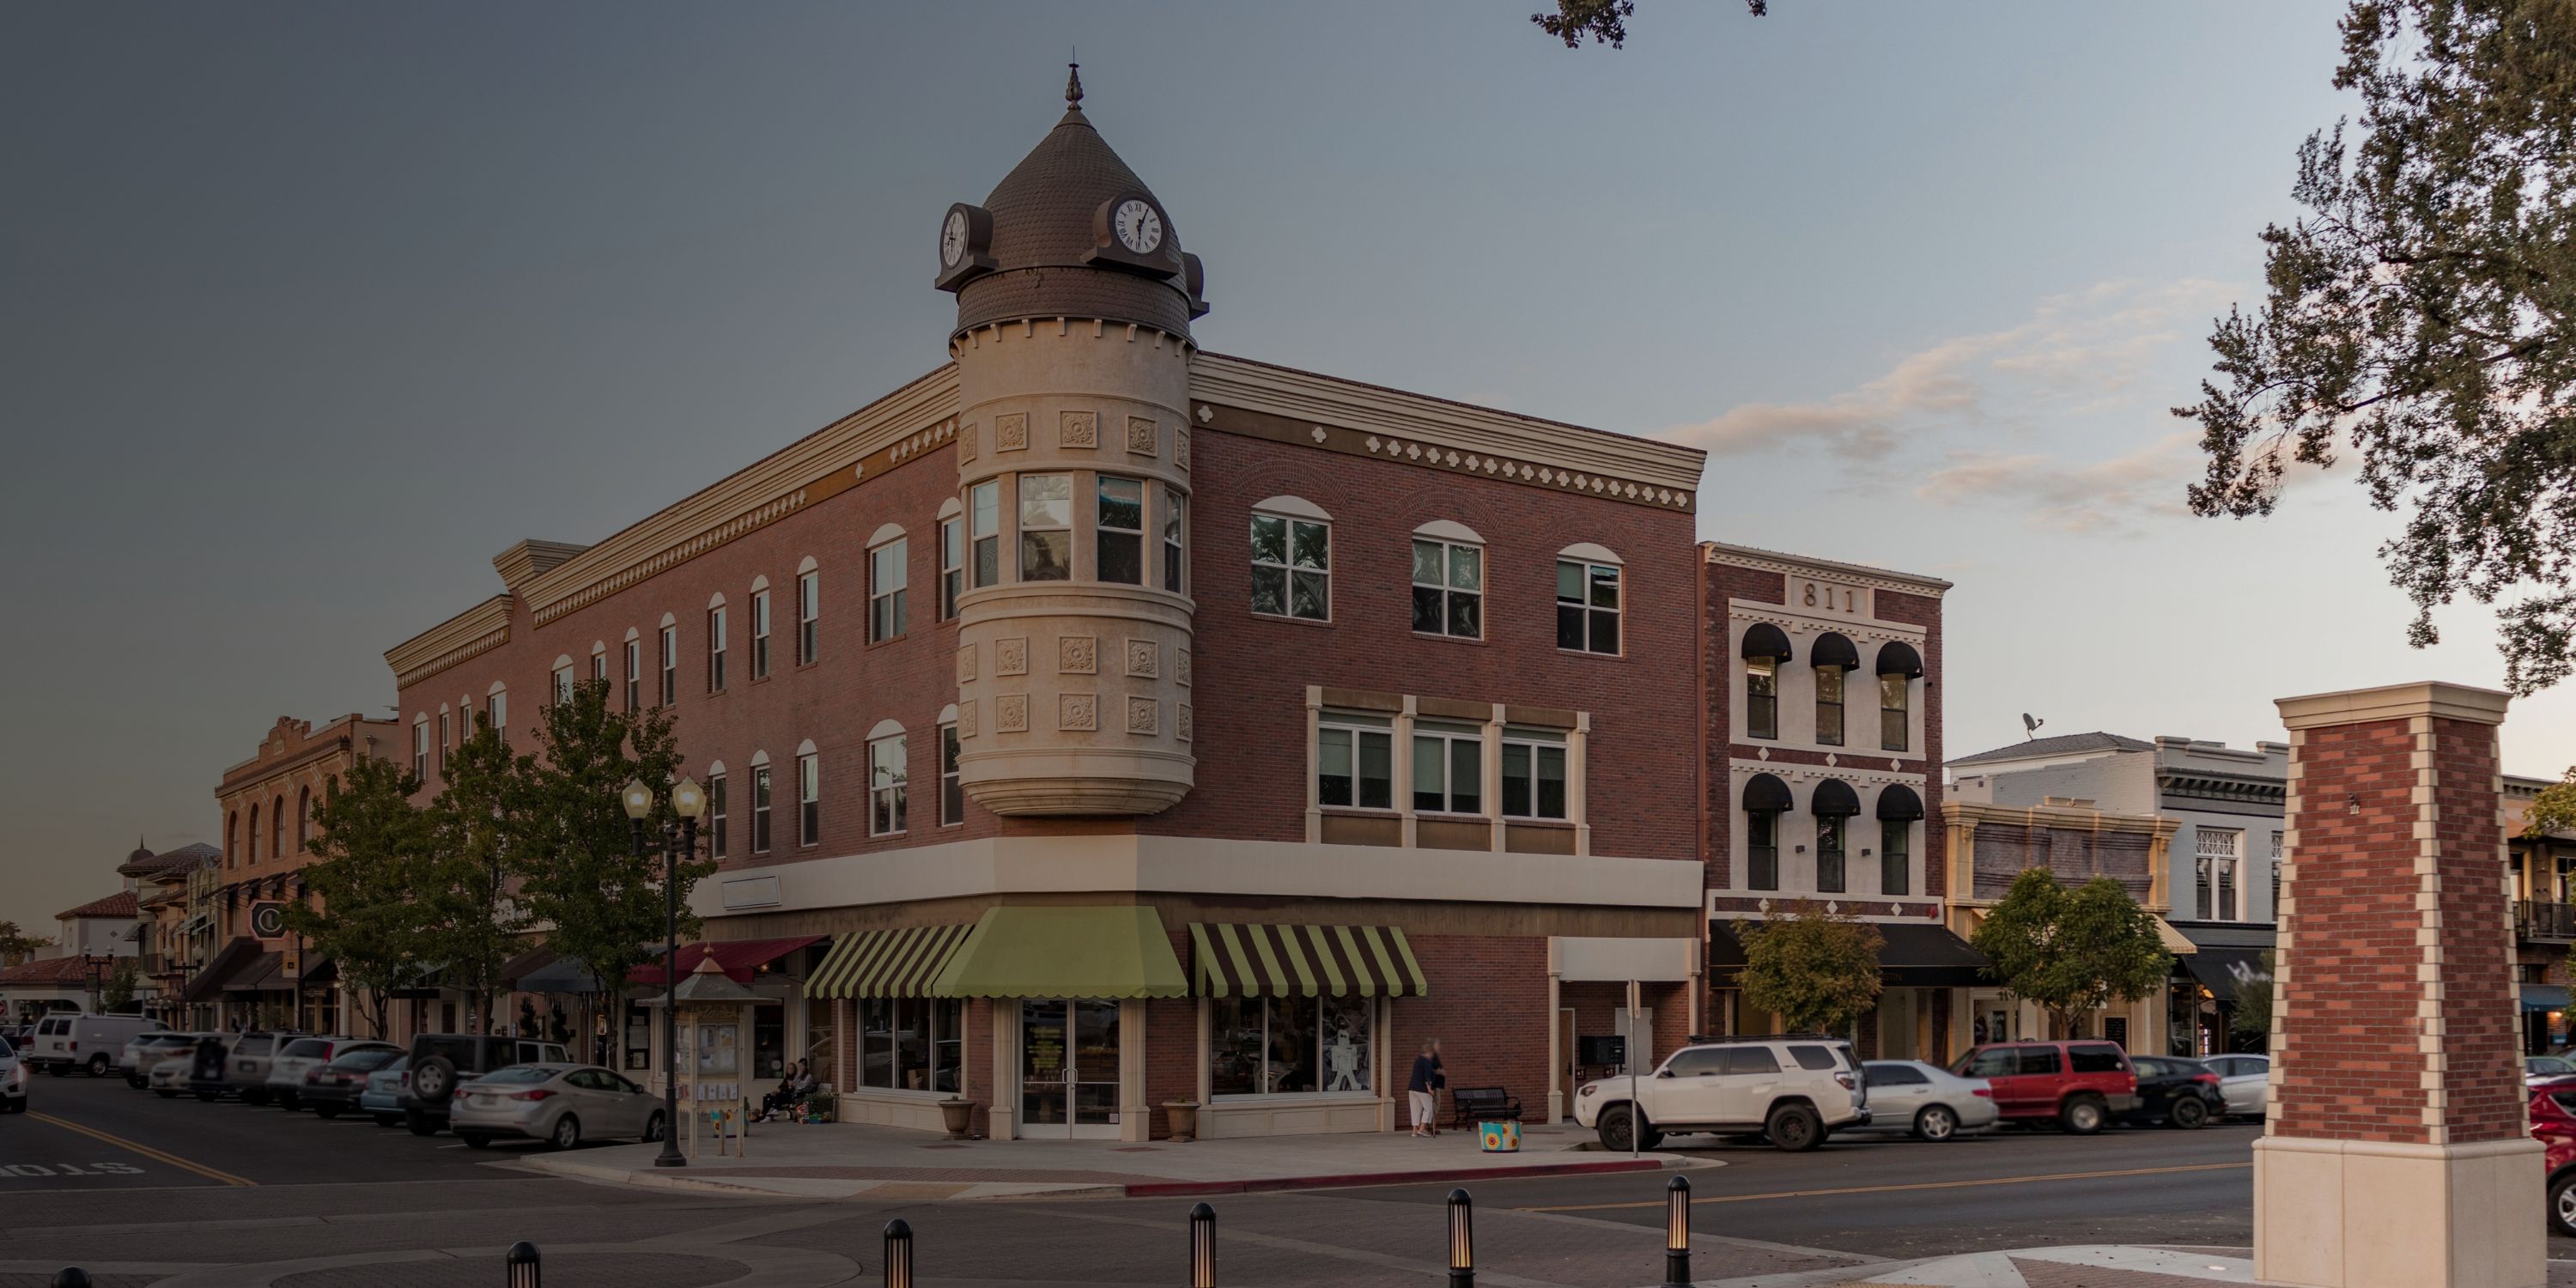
(308, 310)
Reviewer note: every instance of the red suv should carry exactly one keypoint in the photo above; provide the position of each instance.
(2080, 1084)
(2553, 1123)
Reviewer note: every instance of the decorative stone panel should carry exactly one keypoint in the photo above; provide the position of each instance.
(1181, 722)
(966, 726)
(1143, 657)
(1010, 713)
(1141, 438)
(1077, 711)
(1011, 655)
(1079, 429)
(966, 442)
(1181, 446)
(1144, 715)
(1011, 432)
(966, 664)
(1077, 655)
(1181, 667)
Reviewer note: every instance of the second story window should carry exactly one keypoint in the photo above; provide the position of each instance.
(984, 509)
(599, 666)
(1895, 857)
(1898, 667)
(496, 713)
(446, 738)
(1448, 588)
(760, 634)
(760, 809)
(420, 748)
(716, 649)
(670, 665)
(1765, 647)
(1534, 773)
(1448, 768)
(809, 617)
(952, 565)
(716, 819)
(888, 583)
(1355, 760)
(563, 682)
(1292, 567)
(889, 786)
(1175, 540)
(809, 798)
(1766, 799)
(952, 787)
(1829, 705)
(1046, 527)
(2219, 852)
(634, 675)
(1834, 805)
(1118, 536)
(1587, 606)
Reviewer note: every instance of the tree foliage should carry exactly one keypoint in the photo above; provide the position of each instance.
(2252, 1018)
(2554, 809)
(371, 845)
(116, 994)
(1816, 969)
(473, 922)
(2071, 950)
(1605, 21)
(2420, 310)
(16, 944)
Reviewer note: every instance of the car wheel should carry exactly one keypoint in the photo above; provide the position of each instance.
(567, 1133)
(652, 1128)
(2189, 1113)
(2562, 1200)
(1936, 1123)
(432, 1079)
(1794, 1129)
(420, 1123)
(326, 1112)
(99, 1065)
(2081, 1116)
(1617, 1127)
(475, 1140)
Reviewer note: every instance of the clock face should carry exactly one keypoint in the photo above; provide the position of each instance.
(1139, 227)
(952, 239)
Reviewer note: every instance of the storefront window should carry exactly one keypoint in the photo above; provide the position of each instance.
(819, 1046)
(769, 1043)
(1288, 1045)
(910, 1044)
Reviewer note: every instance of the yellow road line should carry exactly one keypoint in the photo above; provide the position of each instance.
(145, 1150)
(1892, 1189)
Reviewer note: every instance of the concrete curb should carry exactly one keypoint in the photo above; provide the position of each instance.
(1425, 1176)
(749, 1186)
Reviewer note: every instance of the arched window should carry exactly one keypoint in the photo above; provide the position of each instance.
(1833, 806)
(254, 834)
(1448, 580)
(634, 670)
(496, 710)
(1292, 559)
(809, 794)
(1766, 798)
(303, 818)
(232, 839)
(277, 826)
(563, 678)
(1832, 658)
(889, 582)
(760, 802)
(952, 556)
(760, 628)
(1898, 667)
(1587, 599)
(809, 611)
(889, 779)
(1765, 647)
(1899, 808)
(716, 812)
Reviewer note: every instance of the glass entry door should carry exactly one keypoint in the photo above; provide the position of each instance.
(1069, 1069)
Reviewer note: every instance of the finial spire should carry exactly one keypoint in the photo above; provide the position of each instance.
(1073, 86)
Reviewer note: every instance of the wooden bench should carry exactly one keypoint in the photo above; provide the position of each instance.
(1481, 1104)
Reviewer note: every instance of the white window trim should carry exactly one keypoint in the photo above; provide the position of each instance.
(1565, 746)
(887, 731)
(1619, 575)
(896, 598)
(1398, 793)
(1449, 547)
(1448, 791)
(1292, 511)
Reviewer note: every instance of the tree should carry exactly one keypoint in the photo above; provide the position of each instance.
(2252, 1019)
(1817, 970)
(573, 846)
(17, 945)
(466, 885)
(2422, 309)
(1605, 21)
(2071, 950)
(372, 849)
(2553, 810)
(117, 993)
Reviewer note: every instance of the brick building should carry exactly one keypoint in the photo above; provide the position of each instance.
(2542, 868)
(1096, 722)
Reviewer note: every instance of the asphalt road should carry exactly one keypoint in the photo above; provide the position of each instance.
(148, 1190)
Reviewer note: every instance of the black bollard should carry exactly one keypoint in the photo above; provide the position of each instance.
(1462, 1240)
(522, 1263)
(898, 1254)
(1202, 1246)
(1677, 1233)
(71, 1277)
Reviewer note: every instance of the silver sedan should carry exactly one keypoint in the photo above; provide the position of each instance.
(1926, 1100)
(560, 1104)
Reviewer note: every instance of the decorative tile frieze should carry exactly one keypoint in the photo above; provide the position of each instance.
(1077, 711)
(967, 443)
(966, 719)
(1181, 667)
(1181, 446)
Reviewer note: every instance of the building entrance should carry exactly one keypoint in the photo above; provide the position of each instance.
(1069, 1069)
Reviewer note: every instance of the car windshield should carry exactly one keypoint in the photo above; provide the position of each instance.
(520, 1073)
(365, 1058)
(307, 1047)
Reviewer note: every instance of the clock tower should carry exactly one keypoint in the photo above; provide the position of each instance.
(1072, 345)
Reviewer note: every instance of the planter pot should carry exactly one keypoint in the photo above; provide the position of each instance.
(1184, 1116)
(958, 1116)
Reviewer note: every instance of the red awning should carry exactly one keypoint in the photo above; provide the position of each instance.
(739, 959)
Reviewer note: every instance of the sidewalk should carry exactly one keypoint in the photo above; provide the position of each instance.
(843, 1160)
(2097, 1266)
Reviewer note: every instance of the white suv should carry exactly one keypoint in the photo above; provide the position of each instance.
(1794, 1090)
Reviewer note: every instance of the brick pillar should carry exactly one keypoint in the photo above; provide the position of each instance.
(2396, 1154)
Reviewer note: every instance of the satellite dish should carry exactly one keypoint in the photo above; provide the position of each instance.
(2030, 726)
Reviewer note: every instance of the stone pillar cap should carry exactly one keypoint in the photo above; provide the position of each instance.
(2395, 702)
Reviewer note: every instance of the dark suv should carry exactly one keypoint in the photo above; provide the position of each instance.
(2081, 1085)
(442, 1062)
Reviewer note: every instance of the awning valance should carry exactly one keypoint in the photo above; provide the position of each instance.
(886, 963)
(1896, 657)
(228, 962)
(739, 959)
(1108, 952)
(1834, 798)
(1231, 960)
(1765, 792)
(1927, 955)
(1898, 801)
(1833, 649)
(1762, 639)
(2543, 997)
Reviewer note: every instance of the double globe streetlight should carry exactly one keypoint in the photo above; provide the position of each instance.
(688, 801)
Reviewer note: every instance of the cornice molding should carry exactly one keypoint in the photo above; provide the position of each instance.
(1903, 583)
(1867, 630)
(1421, 430)
(1959, 812)
(480, 629)
(2431, 698)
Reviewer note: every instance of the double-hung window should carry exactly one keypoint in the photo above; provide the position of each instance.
(1175, 531)
(496, 712)
(1534, 773)
(1830, 830)
(952, 788)
(1448, 768)
(563, 684)
(1761, 697)
(1046, 527)
(760, 809)
(716, 649)
(889, 790)
(888, 582)
(760, 634)
(1895, 856)
(809, 617)
(1354, 760)
(809, 798)
(670, 665)
(1762, 849)
(1587, 606)
(634, 676)
(1448, 588)
(716, 813)
(952, 565)
(599, 670)
(446, 738)
(1118, 536)
(420, 749)
(1292, 567)
(2218, 852)
(984, 511)
(1829, 705)
(1894, 692)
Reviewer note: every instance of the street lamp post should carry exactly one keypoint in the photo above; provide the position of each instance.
(688, 800)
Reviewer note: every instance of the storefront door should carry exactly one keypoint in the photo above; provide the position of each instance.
(1069, 1069)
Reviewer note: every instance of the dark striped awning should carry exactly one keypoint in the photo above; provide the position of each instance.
(885, 963)
(1232, 960)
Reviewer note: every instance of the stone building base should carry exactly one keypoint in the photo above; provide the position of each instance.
(2372, 1214)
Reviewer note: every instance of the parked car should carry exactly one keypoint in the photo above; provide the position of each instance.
(1795, 1091)
(300, 1056)
(441, 1063)
(169, 1074)
(2077, 1084)
(210, 1065)
(13, 1080)
(2553, 1124)
(2537, 1068)
(560, 1104)
(145, 1052)
(2246, 1081)
(246, 1066)
(337, 1086)
(382, 1099)
(81, 1040)
(2173, 1090)
(1926, 1100)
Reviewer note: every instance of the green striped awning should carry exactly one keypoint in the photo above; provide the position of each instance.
(1307, 961)
(885, 963)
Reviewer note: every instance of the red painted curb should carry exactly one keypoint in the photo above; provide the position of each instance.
(1184, 1189)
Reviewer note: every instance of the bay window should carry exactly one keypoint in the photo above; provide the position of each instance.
(1175, 532)
(1118, 536)
(985, 509)
(1046, 527)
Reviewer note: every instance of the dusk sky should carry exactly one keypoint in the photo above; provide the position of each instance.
(311, 309)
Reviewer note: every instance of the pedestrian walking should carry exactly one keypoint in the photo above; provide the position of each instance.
(1422, 1090)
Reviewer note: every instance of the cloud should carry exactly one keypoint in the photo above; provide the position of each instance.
(2099, 497)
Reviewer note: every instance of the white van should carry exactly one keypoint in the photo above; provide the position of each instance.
(67, 1040)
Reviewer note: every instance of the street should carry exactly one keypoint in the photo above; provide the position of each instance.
(295, 1200)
